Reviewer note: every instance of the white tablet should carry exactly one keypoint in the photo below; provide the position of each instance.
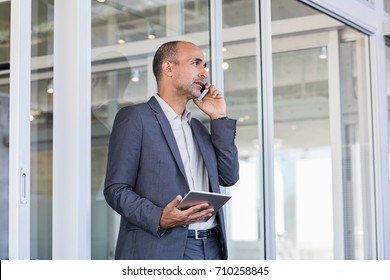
(216, 200)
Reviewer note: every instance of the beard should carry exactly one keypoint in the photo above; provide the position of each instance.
(191, 91)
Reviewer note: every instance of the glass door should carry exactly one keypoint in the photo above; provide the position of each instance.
(30, 124)
(124, 39)
(323, 169)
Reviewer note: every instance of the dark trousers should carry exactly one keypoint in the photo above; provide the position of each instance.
(202, 249)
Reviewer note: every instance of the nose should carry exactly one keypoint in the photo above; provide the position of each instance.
(204, 73)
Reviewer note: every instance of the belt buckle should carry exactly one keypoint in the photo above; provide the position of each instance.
(197, 236)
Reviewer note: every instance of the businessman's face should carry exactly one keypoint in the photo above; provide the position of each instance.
(189, 70)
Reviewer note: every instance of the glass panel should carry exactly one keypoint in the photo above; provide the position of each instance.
(4, 126)
(386, 4)
(113, 89)
(303, 202)
(323, 182)
(241, 91)
(356, 170)
(122, 54)
(41, 117)
(241, 94)
(238, 13)
(121, 21)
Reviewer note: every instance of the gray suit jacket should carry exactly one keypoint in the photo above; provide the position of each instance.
(145, 172)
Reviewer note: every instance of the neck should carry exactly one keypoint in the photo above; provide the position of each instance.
(176, 102)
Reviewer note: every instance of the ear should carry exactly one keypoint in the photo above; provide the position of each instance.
(167, 68)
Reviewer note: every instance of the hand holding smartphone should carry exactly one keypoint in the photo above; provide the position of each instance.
(214, 105)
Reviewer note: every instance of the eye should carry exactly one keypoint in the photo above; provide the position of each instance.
(197, 61)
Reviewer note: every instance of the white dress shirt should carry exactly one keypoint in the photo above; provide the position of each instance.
(194, 166)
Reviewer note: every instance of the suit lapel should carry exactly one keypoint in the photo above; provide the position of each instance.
(168, 133)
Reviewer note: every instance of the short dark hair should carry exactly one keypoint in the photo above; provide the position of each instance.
(167, 51)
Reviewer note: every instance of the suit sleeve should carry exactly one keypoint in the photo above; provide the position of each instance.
(121, 176)
(223, 133)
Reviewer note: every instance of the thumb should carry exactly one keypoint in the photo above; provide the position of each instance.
(175, 202)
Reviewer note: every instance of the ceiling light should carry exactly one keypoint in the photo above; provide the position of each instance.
(50, 88)
(34, 114)
(225, 66)
(151, 32)
(294, 127)
(324, 53)
(135, 75)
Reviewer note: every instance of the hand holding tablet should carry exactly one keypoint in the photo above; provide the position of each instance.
(216, 200)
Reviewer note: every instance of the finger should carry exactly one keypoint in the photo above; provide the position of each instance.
(198, 213)
(197, 208)
(201, 215)
(175, 202)
(198, 102)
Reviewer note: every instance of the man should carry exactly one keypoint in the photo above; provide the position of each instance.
(158, 153)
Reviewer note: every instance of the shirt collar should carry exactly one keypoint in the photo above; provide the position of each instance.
(170, 113)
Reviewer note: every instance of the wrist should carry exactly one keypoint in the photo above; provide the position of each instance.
(221, 118)
(218, 117)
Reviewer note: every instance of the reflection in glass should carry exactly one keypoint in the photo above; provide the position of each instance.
(241, 93)
(241, 96)
(303, 170)
(41, 116)
(323, 179)
(124, 38)
(119, 22)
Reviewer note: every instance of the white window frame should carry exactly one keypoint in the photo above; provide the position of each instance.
(19, 157)
(72, 130)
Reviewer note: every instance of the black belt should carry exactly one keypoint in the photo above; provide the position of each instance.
(202, 234)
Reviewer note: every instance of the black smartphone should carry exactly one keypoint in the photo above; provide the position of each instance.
(203, 93)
